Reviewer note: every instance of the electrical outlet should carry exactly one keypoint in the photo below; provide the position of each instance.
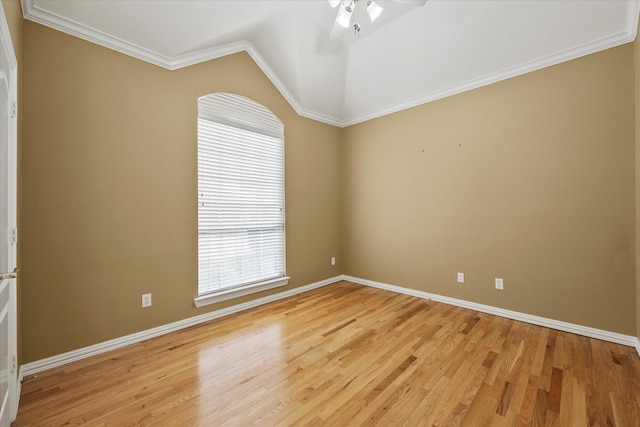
(460, 277)
(333, 260)
(499, 283)
(146, 300)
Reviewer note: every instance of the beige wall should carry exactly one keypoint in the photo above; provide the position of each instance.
(636, 52)
(109, 189)
(531, 180)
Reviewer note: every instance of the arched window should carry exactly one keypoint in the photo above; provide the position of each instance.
(241, 234)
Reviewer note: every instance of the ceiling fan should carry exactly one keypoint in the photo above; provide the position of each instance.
(348, 11)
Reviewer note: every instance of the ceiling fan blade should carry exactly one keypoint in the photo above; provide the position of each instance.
(412, 2)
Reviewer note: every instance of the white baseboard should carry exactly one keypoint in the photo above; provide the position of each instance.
(82, 353)
(32, 368)
(615, 337)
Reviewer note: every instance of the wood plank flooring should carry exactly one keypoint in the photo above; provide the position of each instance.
(343, 355)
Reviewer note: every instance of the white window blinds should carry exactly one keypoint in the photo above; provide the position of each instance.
(240, 193)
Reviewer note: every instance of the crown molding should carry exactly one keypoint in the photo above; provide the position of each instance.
(284, 90)
(33, 13)
(197, 57)
(629, 35)
(41, 16)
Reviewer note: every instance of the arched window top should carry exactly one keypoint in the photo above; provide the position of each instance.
(240, 112)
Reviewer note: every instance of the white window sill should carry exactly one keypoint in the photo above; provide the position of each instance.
(238, 292)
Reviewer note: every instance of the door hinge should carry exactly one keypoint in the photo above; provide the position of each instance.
(13, 236)
(14, 109)
(14, 363)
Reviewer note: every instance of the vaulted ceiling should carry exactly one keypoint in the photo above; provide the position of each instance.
(410, 55)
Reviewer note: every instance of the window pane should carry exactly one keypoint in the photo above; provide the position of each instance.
(240, 199)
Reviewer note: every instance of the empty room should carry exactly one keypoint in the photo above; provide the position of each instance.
(322, 212)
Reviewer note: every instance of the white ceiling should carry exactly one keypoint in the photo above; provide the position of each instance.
(409, 56)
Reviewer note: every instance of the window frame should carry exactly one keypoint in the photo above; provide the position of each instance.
(244, 114)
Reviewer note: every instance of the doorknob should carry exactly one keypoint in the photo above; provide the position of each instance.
(4, 276)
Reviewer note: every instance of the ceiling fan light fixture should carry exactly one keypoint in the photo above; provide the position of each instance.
(344, 17)
(373, 10)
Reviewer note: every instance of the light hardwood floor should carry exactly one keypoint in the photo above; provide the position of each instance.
(345, 355)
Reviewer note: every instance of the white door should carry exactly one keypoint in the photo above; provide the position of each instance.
(8, 231)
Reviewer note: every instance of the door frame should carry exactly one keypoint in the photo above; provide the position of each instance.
(7, 46)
